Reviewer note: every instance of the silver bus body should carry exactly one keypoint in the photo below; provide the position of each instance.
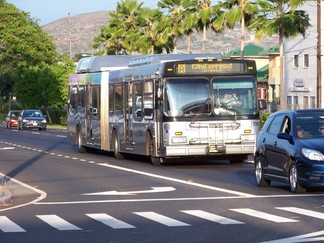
(165, 106)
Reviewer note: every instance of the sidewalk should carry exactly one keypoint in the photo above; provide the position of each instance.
(14, 193)
(5, 195)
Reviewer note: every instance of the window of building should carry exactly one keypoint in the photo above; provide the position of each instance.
(296, 103)
(313, 102)
(289, 102)
(305, 102)
(296, 61)
(306, 60)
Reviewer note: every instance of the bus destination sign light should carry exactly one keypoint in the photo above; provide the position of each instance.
(199, 68)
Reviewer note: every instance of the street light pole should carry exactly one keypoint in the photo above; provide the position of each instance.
(319, 57)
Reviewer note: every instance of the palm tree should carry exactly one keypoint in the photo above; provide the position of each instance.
(232, 12)
(280, 17)
(154, 35)
(177, 13)
(121, 30)
(204, 18)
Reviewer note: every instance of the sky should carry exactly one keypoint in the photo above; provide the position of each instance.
(48, 11)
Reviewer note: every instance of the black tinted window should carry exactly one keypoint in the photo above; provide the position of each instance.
(276, 125)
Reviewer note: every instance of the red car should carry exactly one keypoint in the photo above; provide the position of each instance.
(12, 118)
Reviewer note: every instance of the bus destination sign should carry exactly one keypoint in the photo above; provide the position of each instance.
(209, 68)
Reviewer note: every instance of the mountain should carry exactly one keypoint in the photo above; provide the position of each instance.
(75, 34)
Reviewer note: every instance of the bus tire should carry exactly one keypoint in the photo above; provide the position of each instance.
(81, 148)
(150, 150)
(116, 144)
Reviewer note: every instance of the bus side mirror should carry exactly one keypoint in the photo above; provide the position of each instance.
(94, 111)
(262, 104)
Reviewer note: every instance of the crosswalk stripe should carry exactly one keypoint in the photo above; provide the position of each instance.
(211, 217)
(110, 221)
(306, 212)
(6, 225)
(161, 219)
(262, 215)
(57, 222)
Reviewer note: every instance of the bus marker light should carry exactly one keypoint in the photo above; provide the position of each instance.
(178, 133)
(247, 131)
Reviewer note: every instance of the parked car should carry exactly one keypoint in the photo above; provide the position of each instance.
(31, 119)
(290, 149)
(12, 118)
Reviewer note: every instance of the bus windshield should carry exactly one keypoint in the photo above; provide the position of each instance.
(234, 96)
(185, 97)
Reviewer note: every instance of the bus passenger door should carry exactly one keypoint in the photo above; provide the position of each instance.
(94, 115)
(128, 125)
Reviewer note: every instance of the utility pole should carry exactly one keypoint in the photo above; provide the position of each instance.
(319, 56)
(70, 38)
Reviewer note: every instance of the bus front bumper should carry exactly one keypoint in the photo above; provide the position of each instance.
(200, 150)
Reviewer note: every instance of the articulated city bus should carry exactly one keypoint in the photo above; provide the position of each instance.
(165, 106)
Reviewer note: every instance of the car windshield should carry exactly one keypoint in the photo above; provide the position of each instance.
(14, 114)
(311, 125)
(33, 114)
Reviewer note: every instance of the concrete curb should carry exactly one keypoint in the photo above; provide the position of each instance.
(5, 196)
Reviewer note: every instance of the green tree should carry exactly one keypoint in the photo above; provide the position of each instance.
(178, 12)
(44, 86)
(280, 17)
(134, 29)
(155, 35)
(232, 12)
(30, 67)
(22, 43)
(204, 19)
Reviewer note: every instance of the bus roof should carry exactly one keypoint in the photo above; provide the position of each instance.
(161, 58)
(103, 63)
(115, 62)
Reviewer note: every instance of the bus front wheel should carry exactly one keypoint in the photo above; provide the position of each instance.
(81, 148)
(150, 147)
(117, 153)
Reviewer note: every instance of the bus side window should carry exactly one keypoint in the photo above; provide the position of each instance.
(138, 101)
(148, 100)
(73, 99)
(118, 102)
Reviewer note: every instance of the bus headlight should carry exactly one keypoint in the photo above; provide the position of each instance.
(179, 139)
(247, 137)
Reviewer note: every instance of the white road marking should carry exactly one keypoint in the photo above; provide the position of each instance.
(161, 219)
(301, 211)
(57, 222)
(241, 194)
(110, 221)
(301, 238)
(153, 190)
(7, 148)
(6, 225)
(262, 215)
(211, 217)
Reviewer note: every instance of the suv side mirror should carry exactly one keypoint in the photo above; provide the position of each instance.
(262, 104)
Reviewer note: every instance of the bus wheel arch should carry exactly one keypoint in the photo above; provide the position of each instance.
(150, 150)
(116, 146)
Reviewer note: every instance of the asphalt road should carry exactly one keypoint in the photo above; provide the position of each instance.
(60, 195)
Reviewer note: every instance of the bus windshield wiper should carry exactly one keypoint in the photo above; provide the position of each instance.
(203, 106)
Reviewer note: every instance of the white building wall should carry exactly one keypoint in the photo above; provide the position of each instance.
(301, 81)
